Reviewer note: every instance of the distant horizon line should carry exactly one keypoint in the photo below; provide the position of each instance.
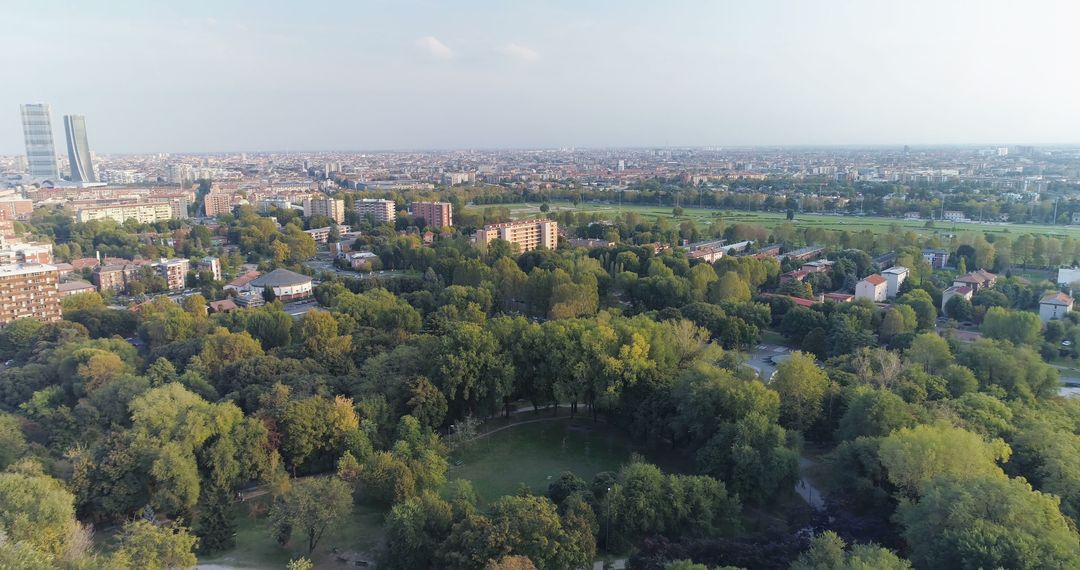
(709, 147)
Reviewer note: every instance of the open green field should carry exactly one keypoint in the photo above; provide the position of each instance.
(876, 224)
(255, 548)
(497, 464)
(534, 454)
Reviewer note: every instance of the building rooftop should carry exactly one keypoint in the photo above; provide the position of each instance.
(244, 279)
(874, 279)
(516, 223)
(1057, 298)
(280, 278)
(77, 285)
(896, 270)
(24, 268)
(962, 289)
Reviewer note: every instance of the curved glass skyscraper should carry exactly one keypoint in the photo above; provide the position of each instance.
(37, 130)
(82, 167)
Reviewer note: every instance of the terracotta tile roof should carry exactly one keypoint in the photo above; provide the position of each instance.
(875, 279)
(1058, 298)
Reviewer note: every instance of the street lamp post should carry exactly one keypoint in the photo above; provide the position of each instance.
(607, 530)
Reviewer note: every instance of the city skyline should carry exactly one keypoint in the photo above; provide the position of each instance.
(415, 75)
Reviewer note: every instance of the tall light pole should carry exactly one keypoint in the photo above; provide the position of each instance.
(607, 530)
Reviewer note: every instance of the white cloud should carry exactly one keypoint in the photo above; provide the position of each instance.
(434, 47)
(520, 53)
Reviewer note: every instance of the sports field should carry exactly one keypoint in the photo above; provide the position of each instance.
(768, 219)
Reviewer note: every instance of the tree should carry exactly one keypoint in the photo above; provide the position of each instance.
(157, 547)
(802, 386)
(930, 352)
(751, 457)
(17, 335)
(268, 293)
(322, 343)
(414, 529)
(511, 563)
(214, 524)
(959, 307)
(36, 509)
(913, 457)
(532, 528)
(427, 404)
(900, 319)
(310, 507)
(1018, 327)
(872, 412)
(923, 305)
(730, 287)
(12, 440)
(827, 552)
(300, 563)
(987, 521)
(566, 485)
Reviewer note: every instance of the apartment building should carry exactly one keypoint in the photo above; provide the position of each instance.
(527, 235)
(329, 207)
(16, 208)
(115, 276)
(435, 214)
(380, 211)
(211, 265)
(26, 253)
(174, 271)
(143, 213)
(29, 290)
(217, 203)
(322, 235)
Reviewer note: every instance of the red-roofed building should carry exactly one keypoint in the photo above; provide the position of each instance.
(797, 275)
(962, 290)
(873, 287)
(1055, 306)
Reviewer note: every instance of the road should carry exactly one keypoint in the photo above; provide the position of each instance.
(297, 310)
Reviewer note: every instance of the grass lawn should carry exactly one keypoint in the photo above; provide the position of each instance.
(255, 548)
(703, 216)
(497, 464)
(537, 453)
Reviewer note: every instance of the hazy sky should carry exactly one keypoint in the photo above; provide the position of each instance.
(267, 75)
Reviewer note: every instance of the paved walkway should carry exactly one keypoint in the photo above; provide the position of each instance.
(806, 489)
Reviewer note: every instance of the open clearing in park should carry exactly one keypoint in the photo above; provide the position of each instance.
(531, 453)
(534, 454)
(705, 216)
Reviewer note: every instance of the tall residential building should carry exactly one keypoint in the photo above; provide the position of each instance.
(435, 214)
(329, 207)
(217, 203)
(381, 211)
(82, 166)
(29, 290)
(174, 271)
(211, 265)
(526, 234)
(40, 151)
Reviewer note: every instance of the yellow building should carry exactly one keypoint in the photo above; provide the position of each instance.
(526, 234)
